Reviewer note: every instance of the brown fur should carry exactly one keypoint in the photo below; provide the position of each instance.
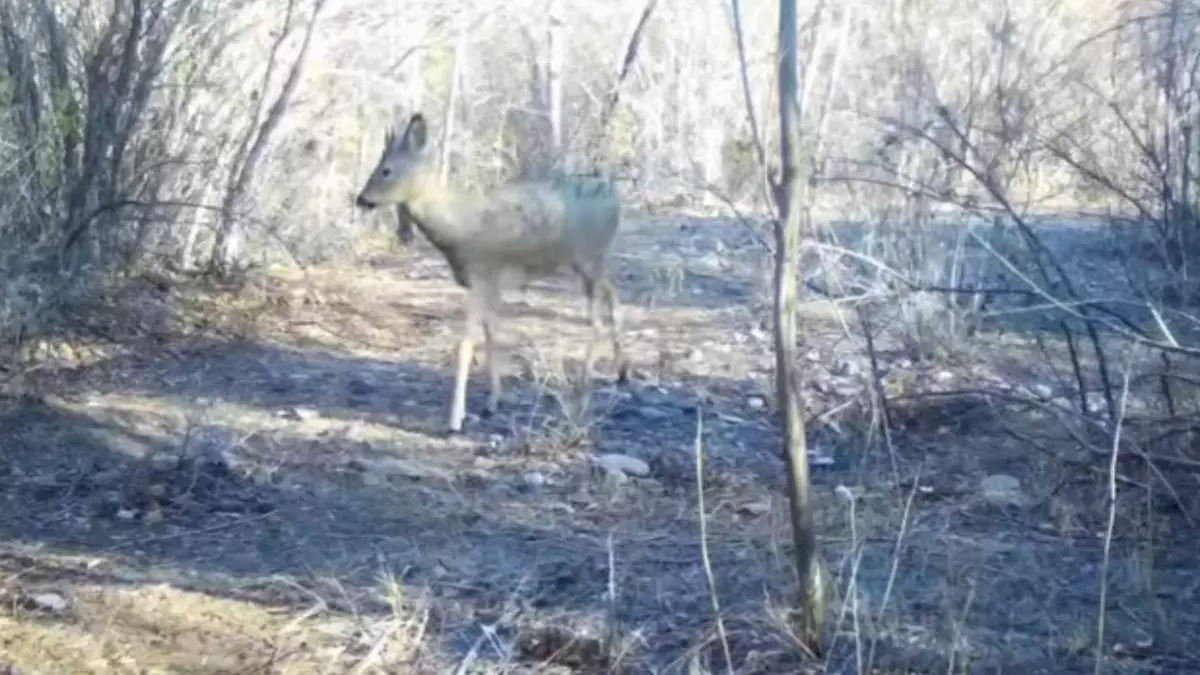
(511, 233)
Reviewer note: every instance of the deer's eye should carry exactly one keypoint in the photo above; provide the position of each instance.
(387, 172)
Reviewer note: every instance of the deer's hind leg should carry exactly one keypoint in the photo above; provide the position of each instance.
(589, 352)
(614, 329)
(490, 352)
(488, 299)
(593, 285)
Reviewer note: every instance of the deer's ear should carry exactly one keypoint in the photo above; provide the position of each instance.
(415, 134)
(398, 138)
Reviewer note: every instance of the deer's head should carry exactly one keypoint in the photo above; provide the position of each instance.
(397, 177)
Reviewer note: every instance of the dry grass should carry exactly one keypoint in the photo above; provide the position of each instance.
(158, 628)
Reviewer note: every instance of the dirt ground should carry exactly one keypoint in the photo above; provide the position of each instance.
(274, 494)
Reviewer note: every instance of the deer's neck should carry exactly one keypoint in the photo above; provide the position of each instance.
(441, 214)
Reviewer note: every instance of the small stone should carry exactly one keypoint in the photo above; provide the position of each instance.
(50, 602)
(944, 376)
(754, 509)
(1043, 391)
(534, 479)
(1002, 489)
(756, 403)
(126, 514)
(623, 464)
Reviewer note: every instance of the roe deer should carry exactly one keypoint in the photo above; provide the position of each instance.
(510, 233)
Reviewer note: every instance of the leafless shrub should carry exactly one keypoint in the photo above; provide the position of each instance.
(100, 156)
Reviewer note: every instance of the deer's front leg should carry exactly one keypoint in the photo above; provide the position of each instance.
(458, 406)
(472, 332)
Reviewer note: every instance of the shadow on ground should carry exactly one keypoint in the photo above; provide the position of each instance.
(230, 467)
(275, 476)
(412, 398)
(323, 517)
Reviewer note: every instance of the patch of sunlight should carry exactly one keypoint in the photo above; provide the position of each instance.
(160, 629)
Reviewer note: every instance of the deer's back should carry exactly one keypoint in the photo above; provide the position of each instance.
(540, 227)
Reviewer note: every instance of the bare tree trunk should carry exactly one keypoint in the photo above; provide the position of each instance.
(452, 105)
(793, 196)
(556, 48)
(627, 59)
(414, 86)
(756, 134)
(227, 249)
(405, 224)
(187, 254)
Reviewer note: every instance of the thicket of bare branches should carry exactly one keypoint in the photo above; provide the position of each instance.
(999, 123)
(121, 121)
(200, 132)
